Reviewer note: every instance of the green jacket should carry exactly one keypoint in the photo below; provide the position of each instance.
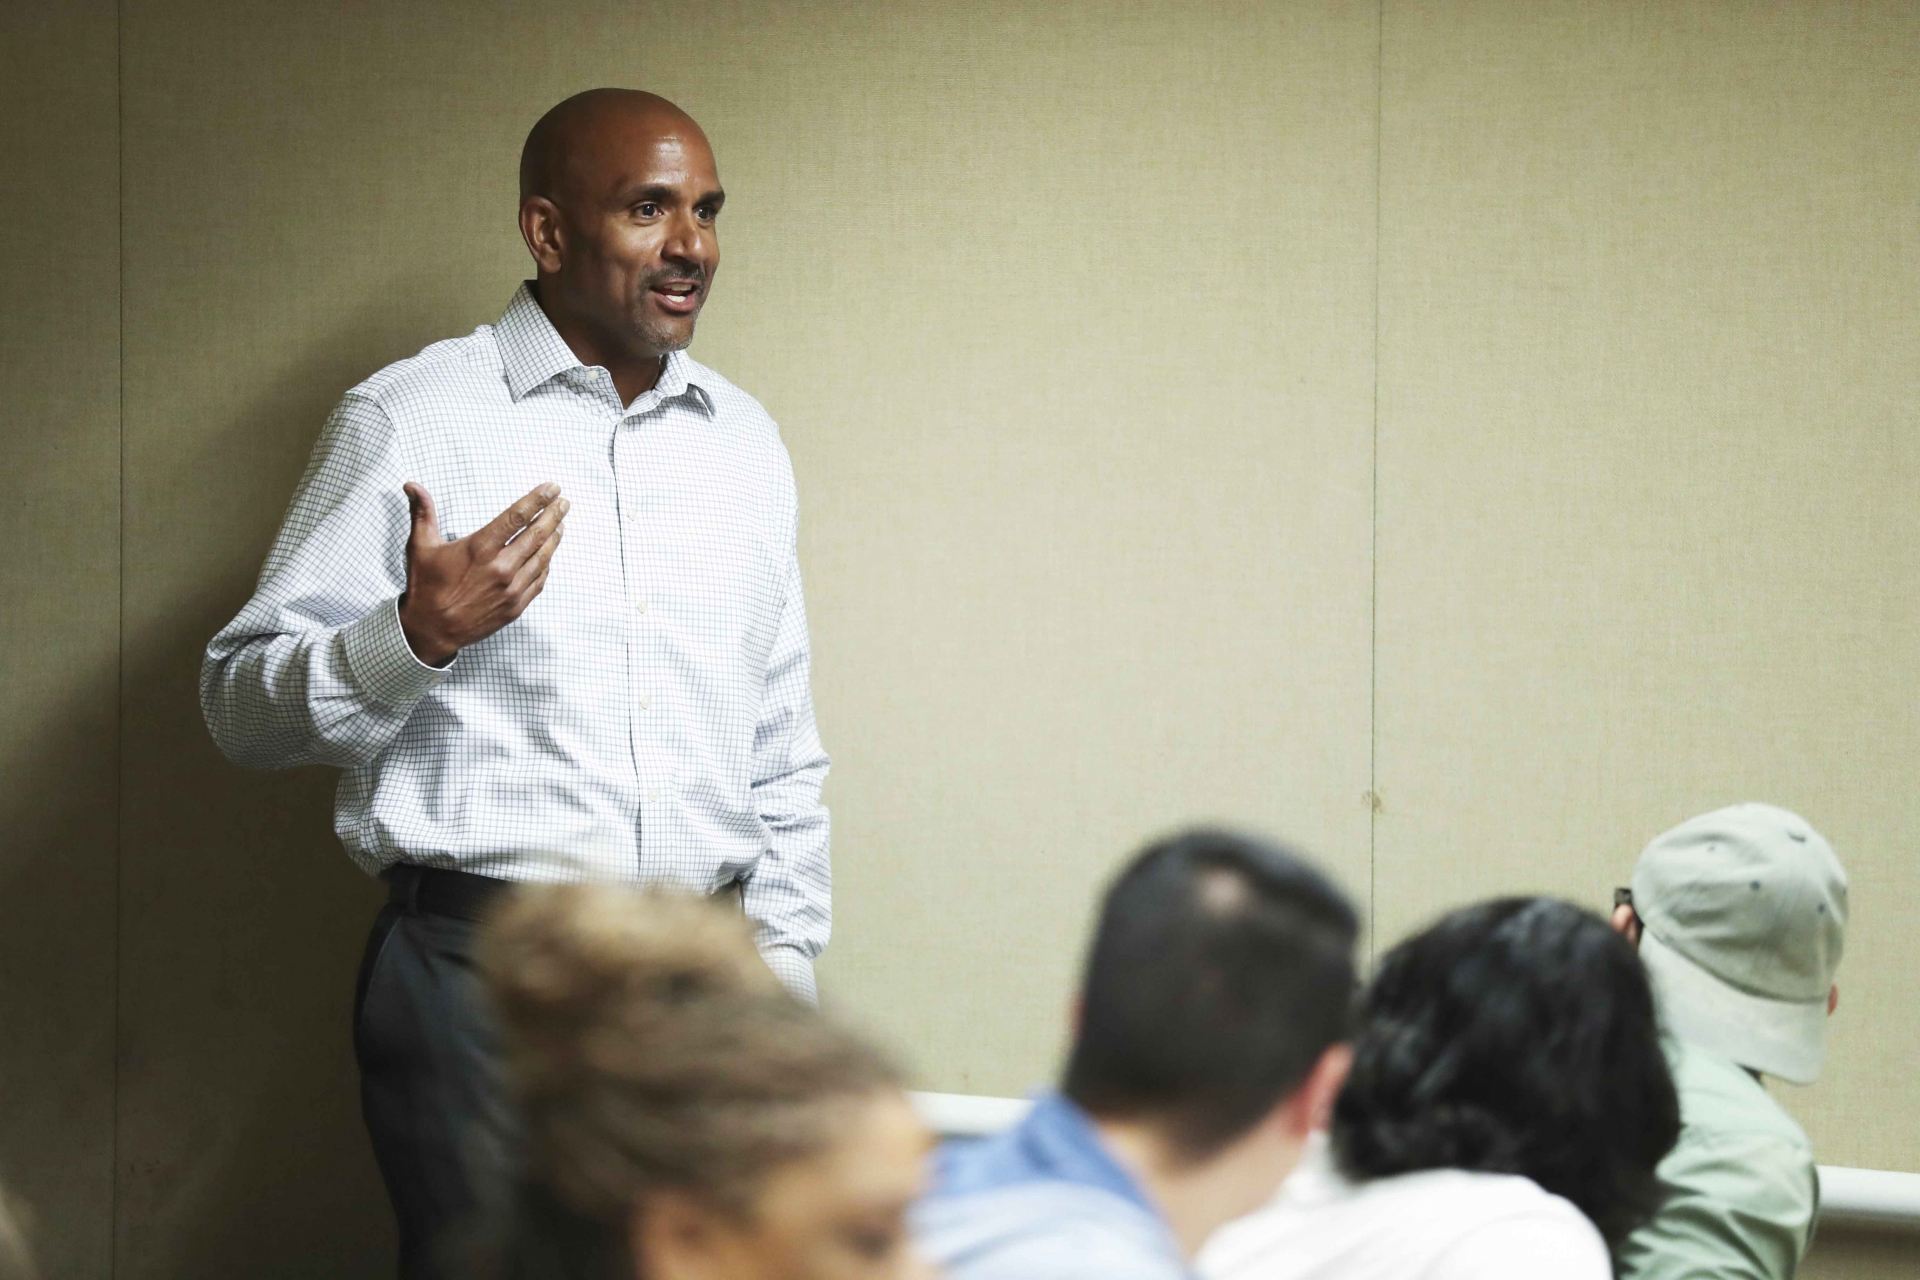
(1741, 1188)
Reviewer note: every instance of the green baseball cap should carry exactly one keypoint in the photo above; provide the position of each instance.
(1743, 915)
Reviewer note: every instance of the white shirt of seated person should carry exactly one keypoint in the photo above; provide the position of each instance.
(1438, 1224)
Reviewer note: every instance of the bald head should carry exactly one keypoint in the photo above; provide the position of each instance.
(619, 199)
(578, 140)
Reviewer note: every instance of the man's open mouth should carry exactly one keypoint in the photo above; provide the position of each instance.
(679, 296)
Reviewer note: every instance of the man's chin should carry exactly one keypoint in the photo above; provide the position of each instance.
(677, 336)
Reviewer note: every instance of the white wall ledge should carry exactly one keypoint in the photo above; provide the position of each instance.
(1848, 1197)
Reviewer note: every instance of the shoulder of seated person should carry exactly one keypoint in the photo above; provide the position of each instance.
(1516, 1245)
(1495, 1194)
(1390, 1222)
(1067, 1248)
(1448, 1200)
(1086, 1257)
(1720, 1097)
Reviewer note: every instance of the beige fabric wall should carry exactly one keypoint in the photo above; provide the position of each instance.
(1069, 315)
(59, 623)
(1649, 527)
(1861, 1255)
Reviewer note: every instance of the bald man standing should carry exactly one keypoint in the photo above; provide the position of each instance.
(537, 595)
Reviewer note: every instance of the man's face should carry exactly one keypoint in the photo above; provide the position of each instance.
(640, 243)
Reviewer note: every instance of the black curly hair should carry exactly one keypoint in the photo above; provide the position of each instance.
(1514, 1036)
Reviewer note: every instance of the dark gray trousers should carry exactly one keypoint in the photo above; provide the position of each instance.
(431, 1087)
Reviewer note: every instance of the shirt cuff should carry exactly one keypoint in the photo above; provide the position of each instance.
(795, 971)
(384, 664)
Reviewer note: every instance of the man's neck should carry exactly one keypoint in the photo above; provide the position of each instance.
(634, 373)
(1196, 1198)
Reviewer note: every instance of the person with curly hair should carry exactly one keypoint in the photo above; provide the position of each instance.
(1506, 1111)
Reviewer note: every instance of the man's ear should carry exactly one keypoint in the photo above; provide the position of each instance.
(1310, 1108)
(675, 1234)
(1626, 923)
(540, 228)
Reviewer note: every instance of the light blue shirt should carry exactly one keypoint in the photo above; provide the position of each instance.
(1043, 1201)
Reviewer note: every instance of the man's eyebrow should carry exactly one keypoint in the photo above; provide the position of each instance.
(658, 193)
(661, 193)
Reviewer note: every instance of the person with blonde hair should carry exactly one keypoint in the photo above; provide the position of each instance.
(684, 1115)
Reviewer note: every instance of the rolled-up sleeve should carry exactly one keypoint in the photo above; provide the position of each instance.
(316, 669)
(789, 894)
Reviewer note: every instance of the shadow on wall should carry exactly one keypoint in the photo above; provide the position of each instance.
(236, 1148)
(240, 1144)
(239, 1137)
(57, 856)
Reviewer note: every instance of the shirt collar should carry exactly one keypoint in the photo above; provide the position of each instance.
(1057, 1142)
(533, 353)
(679, 376)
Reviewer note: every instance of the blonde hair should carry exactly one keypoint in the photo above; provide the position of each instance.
(648, 1046)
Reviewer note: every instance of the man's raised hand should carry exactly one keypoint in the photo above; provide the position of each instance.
(460, 592)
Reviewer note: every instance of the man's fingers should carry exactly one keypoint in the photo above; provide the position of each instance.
(500, 530)
(534, 536)
(525, 593)
(426, 524)
(534, 588)
(536, 564)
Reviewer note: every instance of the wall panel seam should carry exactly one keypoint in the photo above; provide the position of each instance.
(120, 585)
(1373, 513)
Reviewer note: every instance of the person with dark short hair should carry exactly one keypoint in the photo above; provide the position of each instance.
(1209, 1047)
(1506, 1110)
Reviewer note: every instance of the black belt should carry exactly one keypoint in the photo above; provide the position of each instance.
(439, 892)
(463, 895)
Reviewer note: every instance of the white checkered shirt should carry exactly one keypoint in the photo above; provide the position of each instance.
(647, 719)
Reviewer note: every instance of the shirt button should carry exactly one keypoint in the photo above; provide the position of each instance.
(653, 795)
(642, 605)
(646, 704)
